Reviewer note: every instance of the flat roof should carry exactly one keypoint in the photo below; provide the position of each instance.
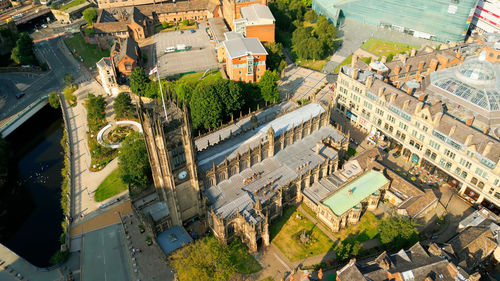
(354, 192)
(172, 239)
(218, 28)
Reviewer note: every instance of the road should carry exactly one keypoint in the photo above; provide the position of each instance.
(36, 85)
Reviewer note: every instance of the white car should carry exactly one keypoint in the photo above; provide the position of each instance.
(170, 50)
(44, 26)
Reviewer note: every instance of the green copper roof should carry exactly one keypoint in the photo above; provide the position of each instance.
(443, 19)
(369, 183)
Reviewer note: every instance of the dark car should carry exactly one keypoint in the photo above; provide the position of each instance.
(19, 95)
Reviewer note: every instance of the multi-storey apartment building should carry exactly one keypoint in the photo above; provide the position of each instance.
(231, 9)
(428, 130)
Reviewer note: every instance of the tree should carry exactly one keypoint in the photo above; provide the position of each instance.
(205, 259)
(185, 22)
(133, 162)
(123, 106)
(54, 100)
(96, 111)
(310, 15)
(206, 107)
(8, 36)
(268, 86)
(4, 160)
(68, 79)
(274, 60)
(397, 232)
(90, 15)
(138, 81)
(23, 52)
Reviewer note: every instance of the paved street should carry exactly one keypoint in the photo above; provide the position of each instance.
(104, 255)
(200, 58)
(34, 86)
(300, 83)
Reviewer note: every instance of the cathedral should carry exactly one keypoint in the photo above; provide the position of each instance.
(241, 183)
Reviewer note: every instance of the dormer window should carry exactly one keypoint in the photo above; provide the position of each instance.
(424, 116)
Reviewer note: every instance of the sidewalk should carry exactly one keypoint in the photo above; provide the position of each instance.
(84, 181)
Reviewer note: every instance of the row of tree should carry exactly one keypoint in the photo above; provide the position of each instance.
(213, 101)
(312, 36)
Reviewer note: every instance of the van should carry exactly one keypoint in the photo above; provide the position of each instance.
(170, 49)
(181, 47)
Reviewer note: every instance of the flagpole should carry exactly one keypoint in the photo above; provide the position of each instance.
(161, 91)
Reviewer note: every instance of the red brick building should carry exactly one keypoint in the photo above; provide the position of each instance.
(245, 58)
(125, 55)
(256, 21)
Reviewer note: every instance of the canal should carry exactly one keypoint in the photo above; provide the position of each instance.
(37, 162)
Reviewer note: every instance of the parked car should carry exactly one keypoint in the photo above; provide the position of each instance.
(180, 31)
(19, 95)
(170, 49)
(192, 30)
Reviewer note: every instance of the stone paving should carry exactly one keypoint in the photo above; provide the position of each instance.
(355, 33)
(84, 181)
(148, 262)
(300, 83)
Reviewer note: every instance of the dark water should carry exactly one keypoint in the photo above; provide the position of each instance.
(39, 156)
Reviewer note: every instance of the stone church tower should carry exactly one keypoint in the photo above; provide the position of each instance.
(172, 157)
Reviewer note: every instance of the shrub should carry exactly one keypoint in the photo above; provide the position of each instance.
(54, 100)
(68, 94)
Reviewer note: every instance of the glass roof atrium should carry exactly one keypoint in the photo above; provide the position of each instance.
(476, 81)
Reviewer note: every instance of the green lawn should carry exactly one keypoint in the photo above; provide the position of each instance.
(71, 4)
(194, 77)
(283, 230)
(313, 64)
(366, 229)
(346, 61)
(109, 187)
(90, 53)
(244, 262)
(159, 28)
(381, 47)
(191, 25)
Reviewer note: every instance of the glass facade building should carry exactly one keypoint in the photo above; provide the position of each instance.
(440, 20)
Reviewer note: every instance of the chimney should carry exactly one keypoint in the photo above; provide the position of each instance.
(408, 66)
(381, 91)
(419, 107)
(459, 54)
(422, 97)
(392, 98)
(452, 130)
(486, 130)
(421, 65)
(397, 69)
(354, 60)
(355, 73)
(405, 104)
(369, 82)
(402, 58)
(469, 121)
(452, 269)
(437, 118)
(475, 276)
(434, 249)
(383, 59)
(409, 90)
(487, 149)
(318, 147)
(468, 140)
(433, 65)
(413, 52)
